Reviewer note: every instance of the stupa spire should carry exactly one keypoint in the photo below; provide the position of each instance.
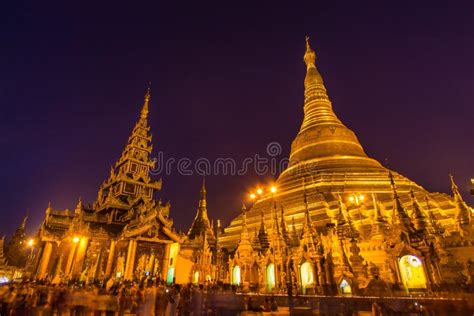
(262, 234)
(203, 200)
(245, 234)
(322, 134)
(464, 213)
(201, 221)
(245, 244)
(399, 212)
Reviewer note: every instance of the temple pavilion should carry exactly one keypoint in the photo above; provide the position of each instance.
(125, 234)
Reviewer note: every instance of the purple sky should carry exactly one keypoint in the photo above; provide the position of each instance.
(226, 80)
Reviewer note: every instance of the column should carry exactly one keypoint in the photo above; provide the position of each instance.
(166, 262)
(44, 262)
(78, 261)
(70, 257)
(110, 259)
(129, 265)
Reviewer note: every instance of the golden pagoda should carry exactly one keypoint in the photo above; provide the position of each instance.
(361, 227)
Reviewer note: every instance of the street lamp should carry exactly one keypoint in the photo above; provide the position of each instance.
(75, 240)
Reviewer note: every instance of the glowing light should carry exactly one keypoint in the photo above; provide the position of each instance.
(4, 280)
(361, 197)
(31, 242)
(351, 198)
(252, 196)
(412, 272)
(75, 240)
(236, 275)
(259, 191)
(270, 276)
(273, 189)
(307, 278)
(196, 277)
(345, 287)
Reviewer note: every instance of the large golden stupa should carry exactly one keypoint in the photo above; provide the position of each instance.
(328, 162)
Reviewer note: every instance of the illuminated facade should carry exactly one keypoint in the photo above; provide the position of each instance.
(126, 234)
(340, 222)
(335, 222)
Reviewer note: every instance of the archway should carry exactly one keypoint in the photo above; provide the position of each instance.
(306, 276)
(412, 272)
(345, 287)
(270, 277)
(236, 275)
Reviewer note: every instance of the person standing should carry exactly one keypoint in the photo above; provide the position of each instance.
(173, 301)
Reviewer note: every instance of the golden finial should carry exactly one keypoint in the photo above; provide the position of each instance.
(148, 92)
(310, 55)
(144, 112)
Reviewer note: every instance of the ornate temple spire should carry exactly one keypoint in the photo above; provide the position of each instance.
(277, 241)
(464, 213)
(399, 213)
(262, 234)
(276, 226)
(436, 228)
(307, 234)
(420, 220)
(23, 222)
(284, 228)
(201, 221)
(380, 223)
(256, 241)
(203, 200)
(14, 251)
(79, 207)
(345, 227)
(245, 245)
(244, 235)
(130, 178)
(294, 235)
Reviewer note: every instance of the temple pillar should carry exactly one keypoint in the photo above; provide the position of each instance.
(44, 262)
(110, 258)
(166, 262)
(70, 258)
(77, 265)
(129, 265)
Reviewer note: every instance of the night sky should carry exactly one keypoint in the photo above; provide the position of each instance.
(227, 79)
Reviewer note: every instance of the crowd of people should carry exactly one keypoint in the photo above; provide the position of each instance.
(122, 298)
